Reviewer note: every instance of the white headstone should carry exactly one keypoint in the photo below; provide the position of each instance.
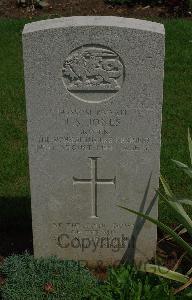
(94, 92)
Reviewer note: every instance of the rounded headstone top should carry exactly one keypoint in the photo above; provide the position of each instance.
(108, 21)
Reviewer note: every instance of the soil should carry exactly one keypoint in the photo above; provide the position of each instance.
(15, 241)
(10, 9)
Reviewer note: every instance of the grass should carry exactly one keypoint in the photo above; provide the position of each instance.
(177, 117)
(14, 176)
(13, 142)
(29, 278)
(126, 282)
(177, 109)
(23, 277)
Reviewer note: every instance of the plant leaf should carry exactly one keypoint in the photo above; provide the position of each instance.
(164, 272)
(180, 213)
(190, 271)
(43, 3)
(182, 231)
(165, 228)
(190, 145)
(185, 201)
(184, 167)
(180, 164)
(166, 187)
(181, 288)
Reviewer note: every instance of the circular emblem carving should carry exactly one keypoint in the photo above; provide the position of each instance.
(93, 73)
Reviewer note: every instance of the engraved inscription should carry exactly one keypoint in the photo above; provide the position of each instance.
(92, 236)
(93, 73)
(94, 181)
(93, 244)
(92, 228)
(90, 142)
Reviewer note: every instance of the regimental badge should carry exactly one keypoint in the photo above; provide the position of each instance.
(93, 73)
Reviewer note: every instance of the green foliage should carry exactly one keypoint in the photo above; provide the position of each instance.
(34, 3)
(164, 272)
(35, 279)
(145, 2)
(187, 4)
(27, 278)
(119, 1)
(127, 283)
(176, 99)
(176, 205)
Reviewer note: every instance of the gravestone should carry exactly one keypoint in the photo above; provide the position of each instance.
(94, 92)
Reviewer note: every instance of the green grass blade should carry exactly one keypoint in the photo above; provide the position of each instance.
(165, 228)
(176, 205)
(190, 145)
(180, 164)
(180, 213)
(164, 272)
(185, 201)
(166, 187)
(189, 272)
(184, 167)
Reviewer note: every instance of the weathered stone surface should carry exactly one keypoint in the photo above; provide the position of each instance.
(94, 90)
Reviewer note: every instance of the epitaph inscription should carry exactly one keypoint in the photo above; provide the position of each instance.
(94, 93)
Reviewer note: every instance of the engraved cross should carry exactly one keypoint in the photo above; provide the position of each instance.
(94, 181)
